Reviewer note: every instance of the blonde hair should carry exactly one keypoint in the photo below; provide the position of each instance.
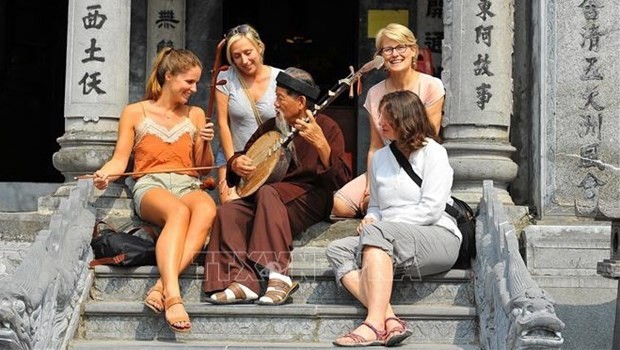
(400, 34)
(170, 60)
(243, 31)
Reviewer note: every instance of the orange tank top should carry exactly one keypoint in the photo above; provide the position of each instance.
(157, 148)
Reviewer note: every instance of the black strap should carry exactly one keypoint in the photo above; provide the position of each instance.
(404, 163)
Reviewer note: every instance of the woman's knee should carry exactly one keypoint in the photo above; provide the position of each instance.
(181, 212)
(341, 250)
(340, 208)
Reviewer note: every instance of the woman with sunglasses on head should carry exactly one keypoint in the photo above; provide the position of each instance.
(398, 46)
(245, 100)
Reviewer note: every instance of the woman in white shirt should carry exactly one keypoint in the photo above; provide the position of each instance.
(406, 230)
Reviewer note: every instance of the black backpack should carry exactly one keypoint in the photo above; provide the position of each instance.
(122, 247)
(461, 211)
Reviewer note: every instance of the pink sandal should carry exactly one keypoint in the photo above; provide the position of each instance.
(359, 341)
(397, 334)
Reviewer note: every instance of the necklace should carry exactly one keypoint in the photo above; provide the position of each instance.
(168, 112)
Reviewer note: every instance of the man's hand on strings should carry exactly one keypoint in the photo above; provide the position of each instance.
(311, 131)
(242, 166)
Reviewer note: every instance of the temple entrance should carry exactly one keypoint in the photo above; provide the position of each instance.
(33, 37)
(312, 36)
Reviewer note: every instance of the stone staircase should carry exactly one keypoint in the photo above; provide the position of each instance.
(439, 309)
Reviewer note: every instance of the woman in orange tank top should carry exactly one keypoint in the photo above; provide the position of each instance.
(164, 133)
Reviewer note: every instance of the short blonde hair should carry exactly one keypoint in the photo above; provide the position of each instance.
(400, 34)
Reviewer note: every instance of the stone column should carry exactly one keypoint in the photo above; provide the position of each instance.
(97, 84)
(165, 27)
(477, 62)
(579, 154)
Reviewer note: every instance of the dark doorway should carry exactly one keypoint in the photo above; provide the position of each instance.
(33, 37)
(311, 35)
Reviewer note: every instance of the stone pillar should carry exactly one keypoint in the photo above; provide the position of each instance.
(165, 27)
(477, 74)
(579, 154)
(97, 84)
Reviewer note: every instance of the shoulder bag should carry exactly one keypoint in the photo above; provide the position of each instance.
(461, 211)
(122, 247)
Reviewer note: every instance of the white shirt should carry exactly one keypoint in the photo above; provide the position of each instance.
(394, 196)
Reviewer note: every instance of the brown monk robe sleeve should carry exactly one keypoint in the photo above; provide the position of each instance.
(308, 173)
(338, 173)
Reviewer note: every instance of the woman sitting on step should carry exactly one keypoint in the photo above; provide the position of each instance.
(165, 133)
(406, 230)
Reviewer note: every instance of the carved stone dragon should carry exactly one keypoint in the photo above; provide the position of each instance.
(39, 299)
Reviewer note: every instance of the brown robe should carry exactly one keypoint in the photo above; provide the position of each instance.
(254, 235)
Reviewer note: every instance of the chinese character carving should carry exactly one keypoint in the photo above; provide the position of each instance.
(433, 41)
(590, 9)
(483, 94)
(484, 6)
(482, 65)
(590, 124)
(591, 35)
(94, 19)
(484, 33)
(164, 43)
(166, 19)
(589, 156)
(590, 94)
(91, 82)
(91, 52)
(591, 72)
(434, 9)
(589, 185)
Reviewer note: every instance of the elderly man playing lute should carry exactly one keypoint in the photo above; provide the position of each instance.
(253, 236)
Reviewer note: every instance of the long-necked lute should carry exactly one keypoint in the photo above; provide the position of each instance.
(269, 152)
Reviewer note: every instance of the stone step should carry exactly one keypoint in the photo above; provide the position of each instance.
(233, 345)
(316, 287)
(290, 323)
(309, 267)
(22, 226)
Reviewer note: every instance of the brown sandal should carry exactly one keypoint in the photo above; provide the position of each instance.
(172, 321)
(278, 291)
(220, 298)
(153, 302)
(359, 341)
(397, 334)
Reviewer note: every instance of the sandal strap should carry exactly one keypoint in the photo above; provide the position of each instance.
(400, 328)
(380, 335)
(278, 290)
(173, 301)
(278, 284)
(237, 291)
(355, 337)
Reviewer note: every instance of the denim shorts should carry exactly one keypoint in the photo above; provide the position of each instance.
(178, 184)
(219, 156)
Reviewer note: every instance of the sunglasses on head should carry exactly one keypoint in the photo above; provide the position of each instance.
(241, 29)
